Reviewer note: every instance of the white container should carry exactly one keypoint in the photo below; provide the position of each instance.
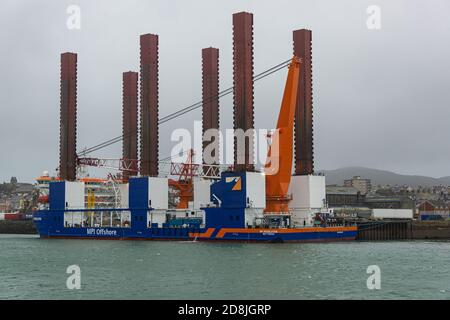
(74, 195)
(308, 192)
(158, 193)
(256, 189)
(392, 213)
(202, 192)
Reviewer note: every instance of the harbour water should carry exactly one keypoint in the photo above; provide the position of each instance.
(32, 268)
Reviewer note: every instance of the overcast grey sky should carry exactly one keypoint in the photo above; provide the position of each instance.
(381, 97)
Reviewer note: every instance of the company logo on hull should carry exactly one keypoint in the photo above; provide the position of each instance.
(237, 183)
(101, 232)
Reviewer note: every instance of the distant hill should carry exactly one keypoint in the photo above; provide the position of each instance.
(381, 177)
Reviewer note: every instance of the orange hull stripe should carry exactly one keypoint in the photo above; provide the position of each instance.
(223, 231)
(206, 234)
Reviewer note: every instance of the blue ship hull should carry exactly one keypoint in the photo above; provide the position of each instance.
(50, 225)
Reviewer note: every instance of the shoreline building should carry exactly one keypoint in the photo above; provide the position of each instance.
(362, 185)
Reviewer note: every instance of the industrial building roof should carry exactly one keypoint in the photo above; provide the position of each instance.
(341, 190)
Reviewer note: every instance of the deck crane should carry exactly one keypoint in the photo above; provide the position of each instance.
(184, 184)
(278, 168)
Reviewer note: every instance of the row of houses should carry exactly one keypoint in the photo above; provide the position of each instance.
(18, 199)
(433, 210)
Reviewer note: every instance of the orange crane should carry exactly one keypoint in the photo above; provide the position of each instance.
(184, 184)
(278, 168)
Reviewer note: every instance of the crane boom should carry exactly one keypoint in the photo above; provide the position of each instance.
(278, 168)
